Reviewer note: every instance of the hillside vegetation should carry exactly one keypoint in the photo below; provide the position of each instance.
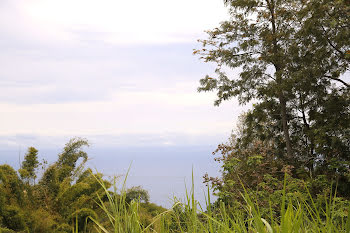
(286, 167)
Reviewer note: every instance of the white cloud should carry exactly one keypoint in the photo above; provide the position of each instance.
(146, 112)
(118, 68)
(138, 21)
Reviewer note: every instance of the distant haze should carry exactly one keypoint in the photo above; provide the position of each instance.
(119, 73)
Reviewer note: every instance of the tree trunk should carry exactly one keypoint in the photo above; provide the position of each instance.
(285, 126)
(278, 67)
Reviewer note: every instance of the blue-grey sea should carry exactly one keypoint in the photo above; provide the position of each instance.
(164, 171)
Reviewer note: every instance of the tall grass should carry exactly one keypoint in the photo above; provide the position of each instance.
(189, 216)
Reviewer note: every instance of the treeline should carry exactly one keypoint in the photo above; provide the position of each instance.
(65, 194)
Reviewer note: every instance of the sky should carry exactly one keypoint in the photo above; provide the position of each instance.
(118, 73)
(121, 70)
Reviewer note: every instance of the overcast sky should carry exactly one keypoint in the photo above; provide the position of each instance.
(120, 73)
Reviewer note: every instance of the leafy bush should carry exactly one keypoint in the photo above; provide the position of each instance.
(13, 218)
(137, 193)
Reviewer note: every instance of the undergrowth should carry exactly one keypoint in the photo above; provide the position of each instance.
(301, 215)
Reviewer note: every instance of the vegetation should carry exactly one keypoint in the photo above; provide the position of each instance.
(82, 201)
(297, 214)
(292, 58)
(285, 169)
(68, 195)
(29, 165)
(70, 198)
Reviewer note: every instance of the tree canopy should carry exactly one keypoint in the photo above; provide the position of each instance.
(67, 197)
(291, 59)
(29, 165)
(65, 191)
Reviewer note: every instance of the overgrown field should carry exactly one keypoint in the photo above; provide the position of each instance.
(301, 214)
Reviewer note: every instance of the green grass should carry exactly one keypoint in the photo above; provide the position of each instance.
(189, 216)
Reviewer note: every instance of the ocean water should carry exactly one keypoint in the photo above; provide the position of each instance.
(165, 172)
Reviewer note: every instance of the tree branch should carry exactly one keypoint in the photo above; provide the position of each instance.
(339, 80)
(331, 44)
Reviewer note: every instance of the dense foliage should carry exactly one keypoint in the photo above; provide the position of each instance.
(291, 59)
(67, 193)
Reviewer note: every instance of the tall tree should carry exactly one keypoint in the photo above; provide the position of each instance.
(29, 164)
(11, 199)
(281, 52)
(66, 169)
(67, 188)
